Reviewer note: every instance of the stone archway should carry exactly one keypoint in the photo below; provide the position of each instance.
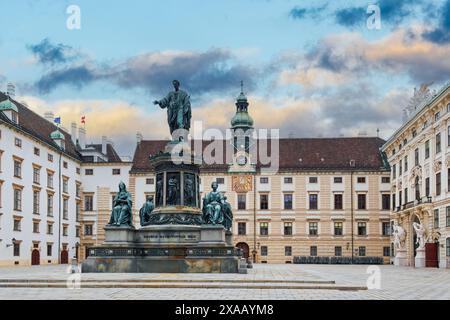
(245, 249)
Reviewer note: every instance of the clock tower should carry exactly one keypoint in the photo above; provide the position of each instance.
(242, 137)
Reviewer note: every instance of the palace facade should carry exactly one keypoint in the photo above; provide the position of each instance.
(329, 197)
(419, 155)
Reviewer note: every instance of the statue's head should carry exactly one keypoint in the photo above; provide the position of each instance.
(122, 186)
(150, 199)
(176, 84)
(214, 185)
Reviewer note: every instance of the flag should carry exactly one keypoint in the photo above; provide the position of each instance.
(57, 120)
(83, 119)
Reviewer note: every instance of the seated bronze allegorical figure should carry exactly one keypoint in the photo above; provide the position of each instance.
(146, 211)
(213, 206)
(227, 214)
(121, 214)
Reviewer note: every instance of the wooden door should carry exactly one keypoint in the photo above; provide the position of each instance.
(35, 257)
(431, 255)
(64, 257)
(245, 249)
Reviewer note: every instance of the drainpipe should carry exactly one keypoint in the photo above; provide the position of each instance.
(59, 207)
(352, 215)
(254, 218)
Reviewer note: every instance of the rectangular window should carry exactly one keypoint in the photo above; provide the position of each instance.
(16, 249)
(386, 251)
(89, 172)
(88, 230)
(313, 205)
(313, 251)
(242, 228)
(220, 180)
(150, 181)
(264, 201)
(385, 201)
(337, 179)
(288, 202)
(88, 203)
(50, 157)
(242, 201)
(77, 212)
(448, 179)
(438, 184)
(313, 228)
(448, 247)
(362, 229)
(394, 173)
(416, 157)
(65, 209)
(288, 228)
(427, 149)
(385, 180)
(447, 212)
(264, 251)
(338, 201)
(17, 199)
(436, 218)
(437, 115)
(50, 205)
(37, 152)
(338, 251)
(49, 250)
(65, 231)
(448, 135)
(77, 232)
(400, 198)
(406, 163)
(49, 228)
(313, 179)
(361, 179)
(18, 142)
(288, 180)
(427, 187)
(17, 225)
(36, 175)
(36, 201)
(362, 251)
(400, 167)
(77, 190)
(35, 227)
(361, 202)
(65, 185)
(264, 180)
(338, 228)
(386, 228)
(393, 201)
(438, 143)
(50, 180)
(406, 195)
(116, 172)
(264, 228)
(17, 169)
(288, 251)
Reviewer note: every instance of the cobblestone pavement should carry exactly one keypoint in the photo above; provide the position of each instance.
(396, 283)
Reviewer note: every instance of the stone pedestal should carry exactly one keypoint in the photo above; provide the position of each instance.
(119, 235)
(419, 260)
(400, 259)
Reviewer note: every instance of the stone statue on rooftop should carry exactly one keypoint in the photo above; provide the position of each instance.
(178, 107)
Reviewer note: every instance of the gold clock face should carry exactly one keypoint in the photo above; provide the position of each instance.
(242, 183)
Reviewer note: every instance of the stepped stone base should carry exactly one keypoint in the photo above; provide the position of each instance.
(165, 249)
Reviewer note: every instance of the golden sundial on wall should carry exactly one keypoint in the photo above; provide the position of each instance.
(242, 183)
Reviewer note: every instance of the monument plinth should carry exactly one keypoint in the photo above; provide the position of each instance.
(176, 235)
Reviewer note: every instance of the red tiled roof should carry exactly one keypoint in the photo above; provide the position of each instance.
(295, 154)
(40, 128)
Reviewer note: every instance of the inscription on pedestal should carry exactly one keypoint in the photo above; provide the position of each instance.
(169, 237)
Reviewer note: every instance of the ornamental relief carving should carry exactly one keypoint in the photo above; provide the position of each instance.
(447, 161)
(416, 172)
(437, 166)
(399, 184)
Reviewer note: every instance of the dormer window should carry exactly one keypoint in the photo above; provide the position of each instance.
(14, 117)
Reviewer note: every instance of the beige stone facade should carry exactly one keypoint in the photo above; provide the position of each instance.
(419, 155)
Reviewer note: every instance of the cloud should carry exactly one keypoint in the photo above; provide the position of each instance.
(48, 53)
(348, 57)
(215, 70)
(441, 34)
(301, 13)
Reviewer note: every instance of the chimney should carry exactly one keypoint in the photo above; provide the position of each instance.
(73, 132)
(139, 137)
(49, 116)
(11, 90)
(82, 137)
(104, 142)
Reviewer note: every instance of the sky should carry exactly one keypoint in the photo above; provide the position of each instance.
(310, 68)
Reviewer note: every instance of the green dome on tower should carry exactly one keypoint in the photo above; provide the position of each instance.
(242, 119)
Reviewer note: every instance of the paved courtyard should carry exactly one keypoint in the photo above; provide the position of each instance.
(262, 282)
